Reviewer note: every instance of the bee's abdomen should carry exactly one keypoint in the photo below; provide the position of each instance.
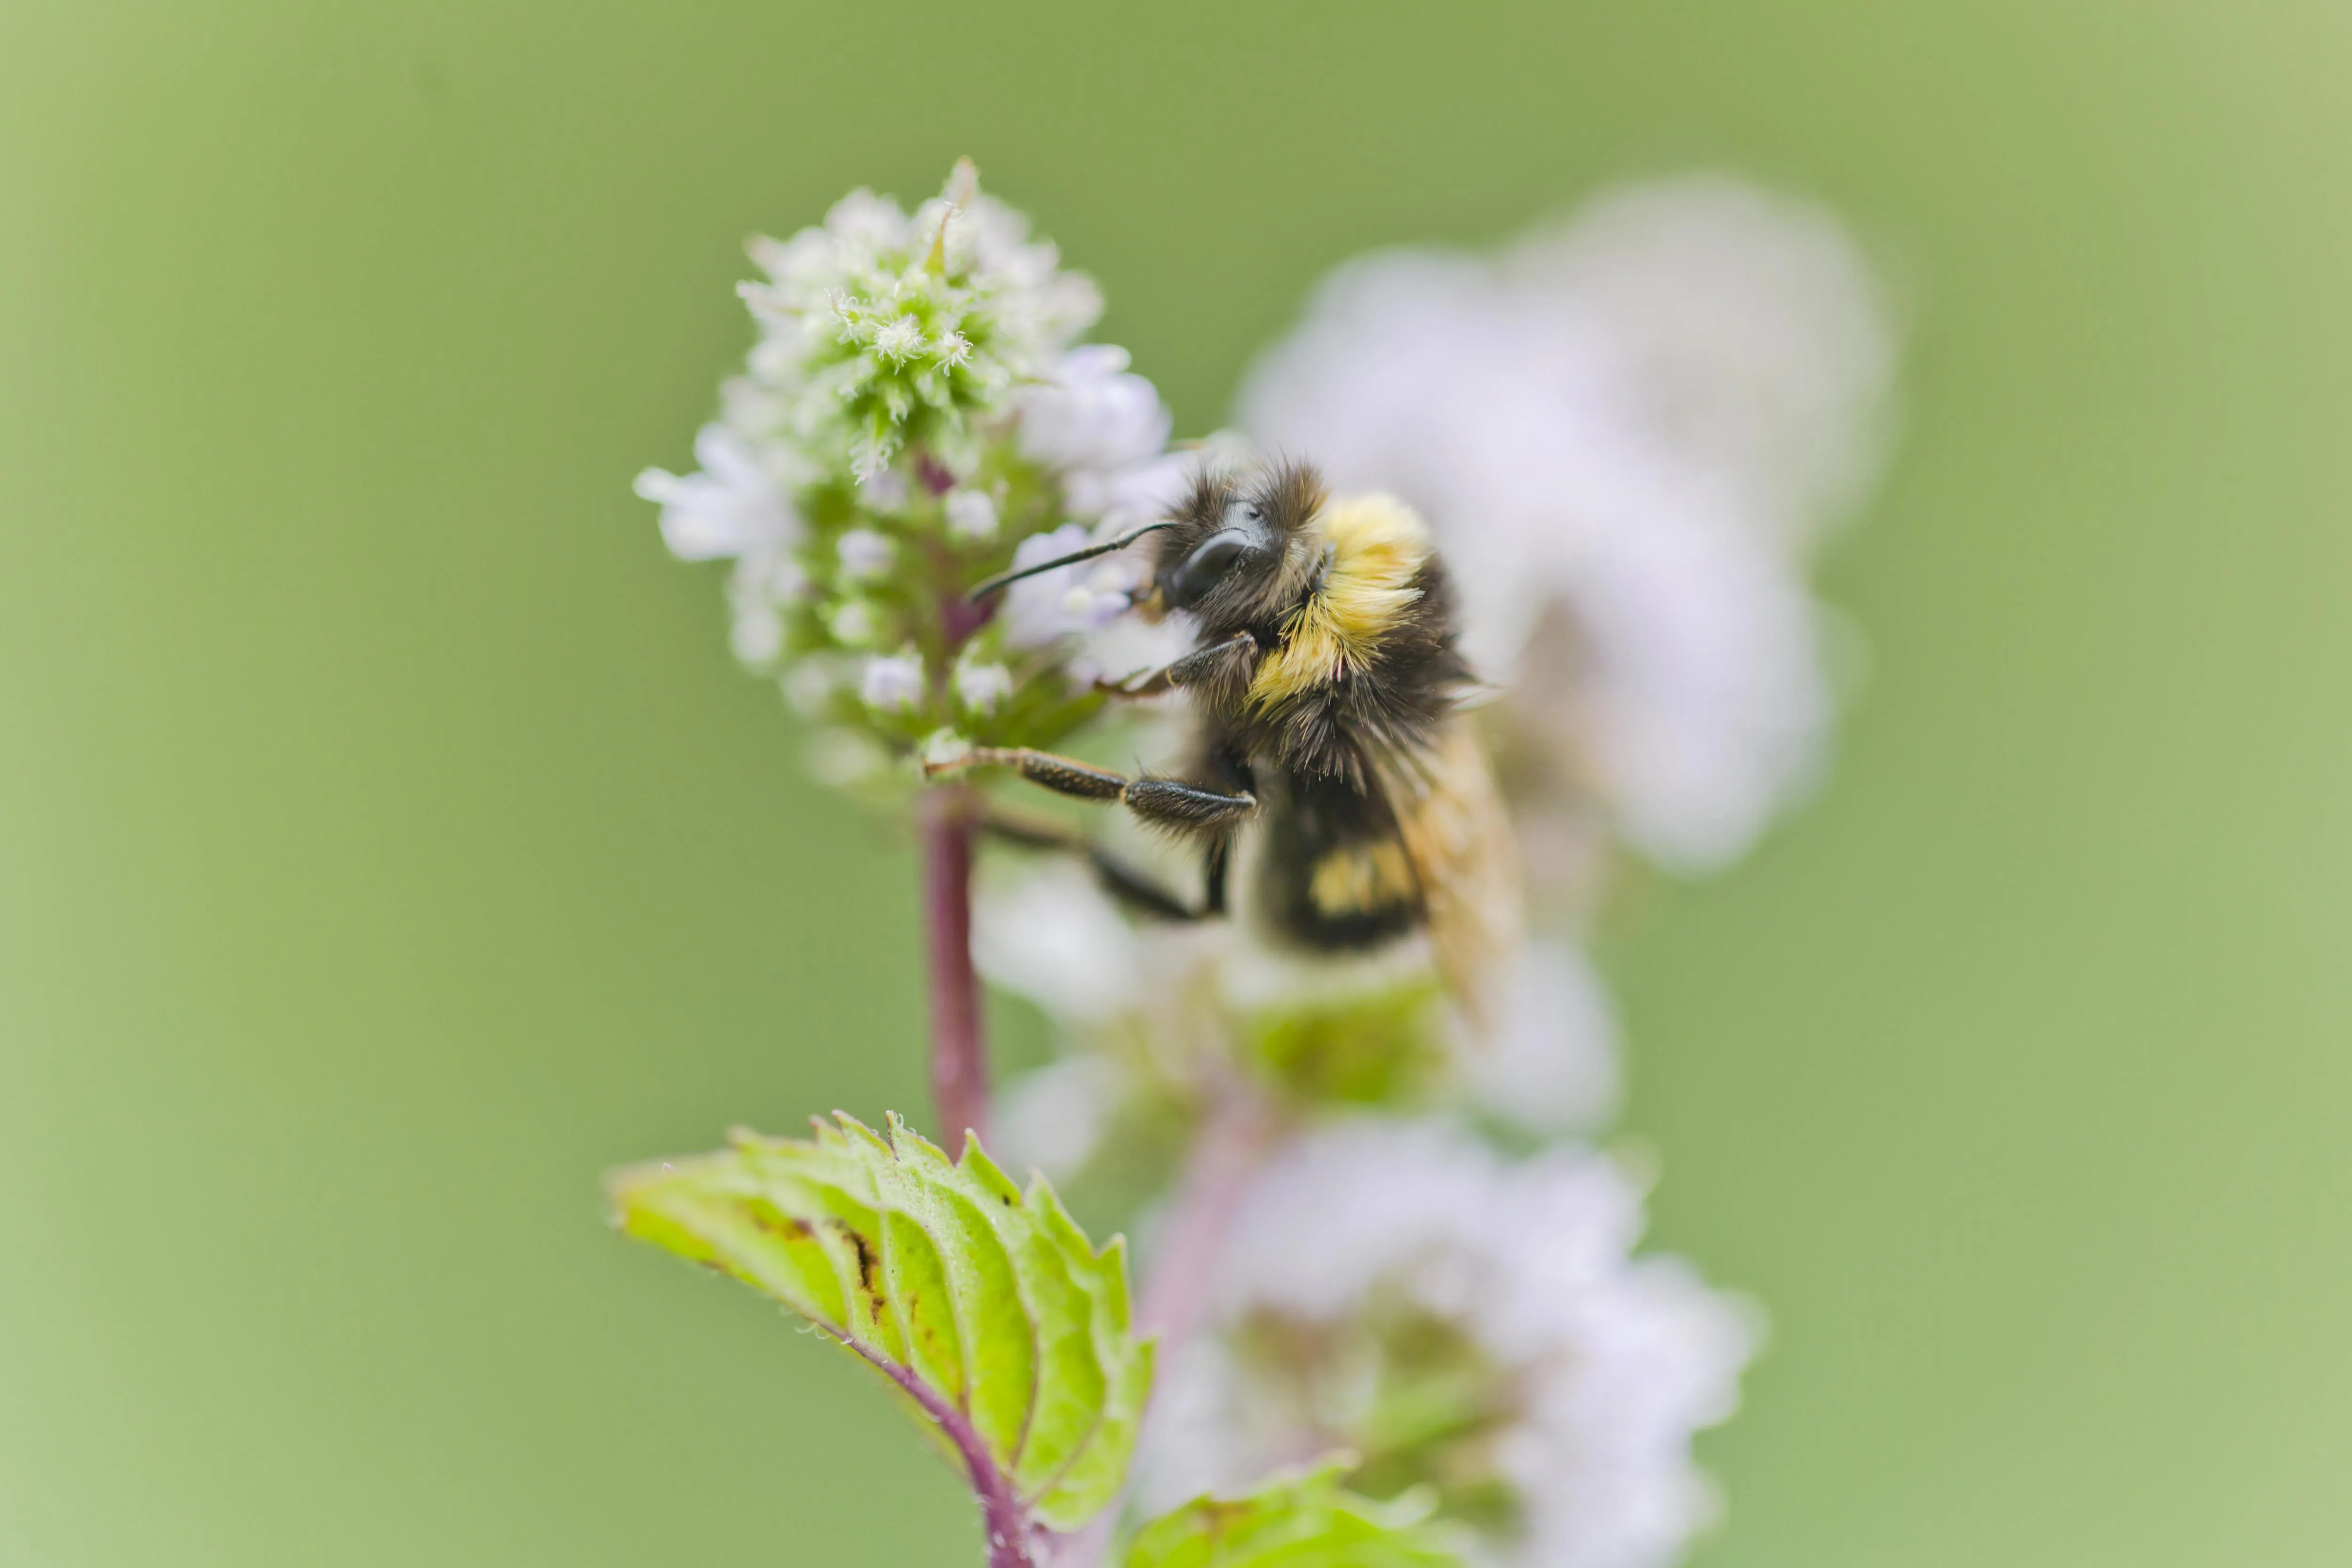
(1334, 872)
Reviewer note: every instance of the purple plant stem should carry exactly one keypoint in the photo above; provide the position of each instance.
(959, 1029)
(959, 1038)
(1005, 1521)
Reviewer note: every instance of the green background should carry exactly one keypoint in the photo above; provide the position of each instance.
(388, 844)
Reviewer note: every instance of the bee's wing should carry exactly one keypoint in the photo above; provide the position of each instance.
(1449, 815)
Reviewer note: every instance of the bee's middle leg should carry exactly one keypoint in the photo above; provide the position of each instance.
(1163, 802)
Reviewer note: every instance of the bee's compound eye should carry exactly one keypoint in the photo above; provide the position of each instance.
(1206, 567)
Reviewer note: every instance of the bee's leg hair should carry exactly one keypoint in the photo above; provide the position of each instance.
(1126, 885)
(1183, 672)
(1163, 802)
(1172, 803)
(1062, 775)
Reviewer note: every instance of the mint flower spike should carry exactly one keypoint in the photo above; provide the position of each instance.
(917, 411)
(885, 330)
(1300, 1520)
(987, 1307)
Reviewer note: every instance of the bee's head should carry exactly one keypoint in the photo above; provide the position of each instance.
(1237, 551)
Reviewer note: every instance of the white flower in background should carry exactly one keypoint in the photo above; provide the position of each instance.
(1635, 421)
(1750, 327)
(1048, 932)
(1056, 1118)
(1548, 1064)
(892, 683)
(981, 686)
(1465, 1321)
(971, 514)
(865, 554)
(886, 491)
(1145, 1001)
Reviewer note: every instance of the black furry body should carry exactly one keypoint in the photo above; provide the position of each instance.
(1328, 687)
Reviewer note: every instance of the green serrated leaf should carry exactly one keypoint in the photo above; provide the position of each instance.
(974, 1297)
(1300, 1520)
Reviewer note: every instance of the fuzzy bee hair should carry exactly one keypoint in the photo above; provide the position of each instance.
(1350, 611)
(1328, 692)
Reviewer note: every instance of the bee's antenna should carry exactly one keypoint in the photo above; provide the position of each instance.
(1002, 579)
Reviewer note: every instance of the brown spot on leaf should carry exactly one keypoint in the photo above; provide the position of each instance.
(869, 1267)
(784, 1225)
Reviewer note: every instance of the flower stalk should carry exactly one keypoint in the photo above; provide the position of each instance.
(959, 1027)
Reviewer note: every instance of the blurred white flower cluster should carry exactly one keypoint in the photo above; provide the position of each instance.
(916, 414)
(1628, 433)
(1465, 1321)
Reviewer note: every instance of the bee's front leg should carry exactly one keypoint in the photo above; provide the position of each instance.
(1235, 656)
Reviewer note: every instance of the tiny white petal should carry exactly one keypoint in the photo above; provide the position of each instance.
(757, 636)
(732, 506)
(902, 339)
(979, 687)
(1069, 600)
(885, 492)
(972, 514)
(865, 554)
(891, 682)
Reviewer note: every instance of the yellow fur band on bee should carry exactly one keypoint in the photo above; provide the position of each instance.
(1377, 545)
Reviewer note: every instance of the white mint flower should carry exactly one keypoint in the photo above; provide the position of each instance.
(1106, 431)
(1071, 600)
(979, 687)
(882, 330)
(1630, 423)
(971, 514)
(892, 683)
(865, 555)
(904, 358)
(887, 490)
(852, 623)
(734, 506)
(1465, 1321)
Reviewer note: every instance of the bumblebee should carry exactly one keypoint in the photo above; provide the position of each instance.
(1332, 745)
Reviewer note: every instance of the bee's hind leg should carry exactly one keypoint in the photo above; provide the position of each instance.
(1127, 886)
